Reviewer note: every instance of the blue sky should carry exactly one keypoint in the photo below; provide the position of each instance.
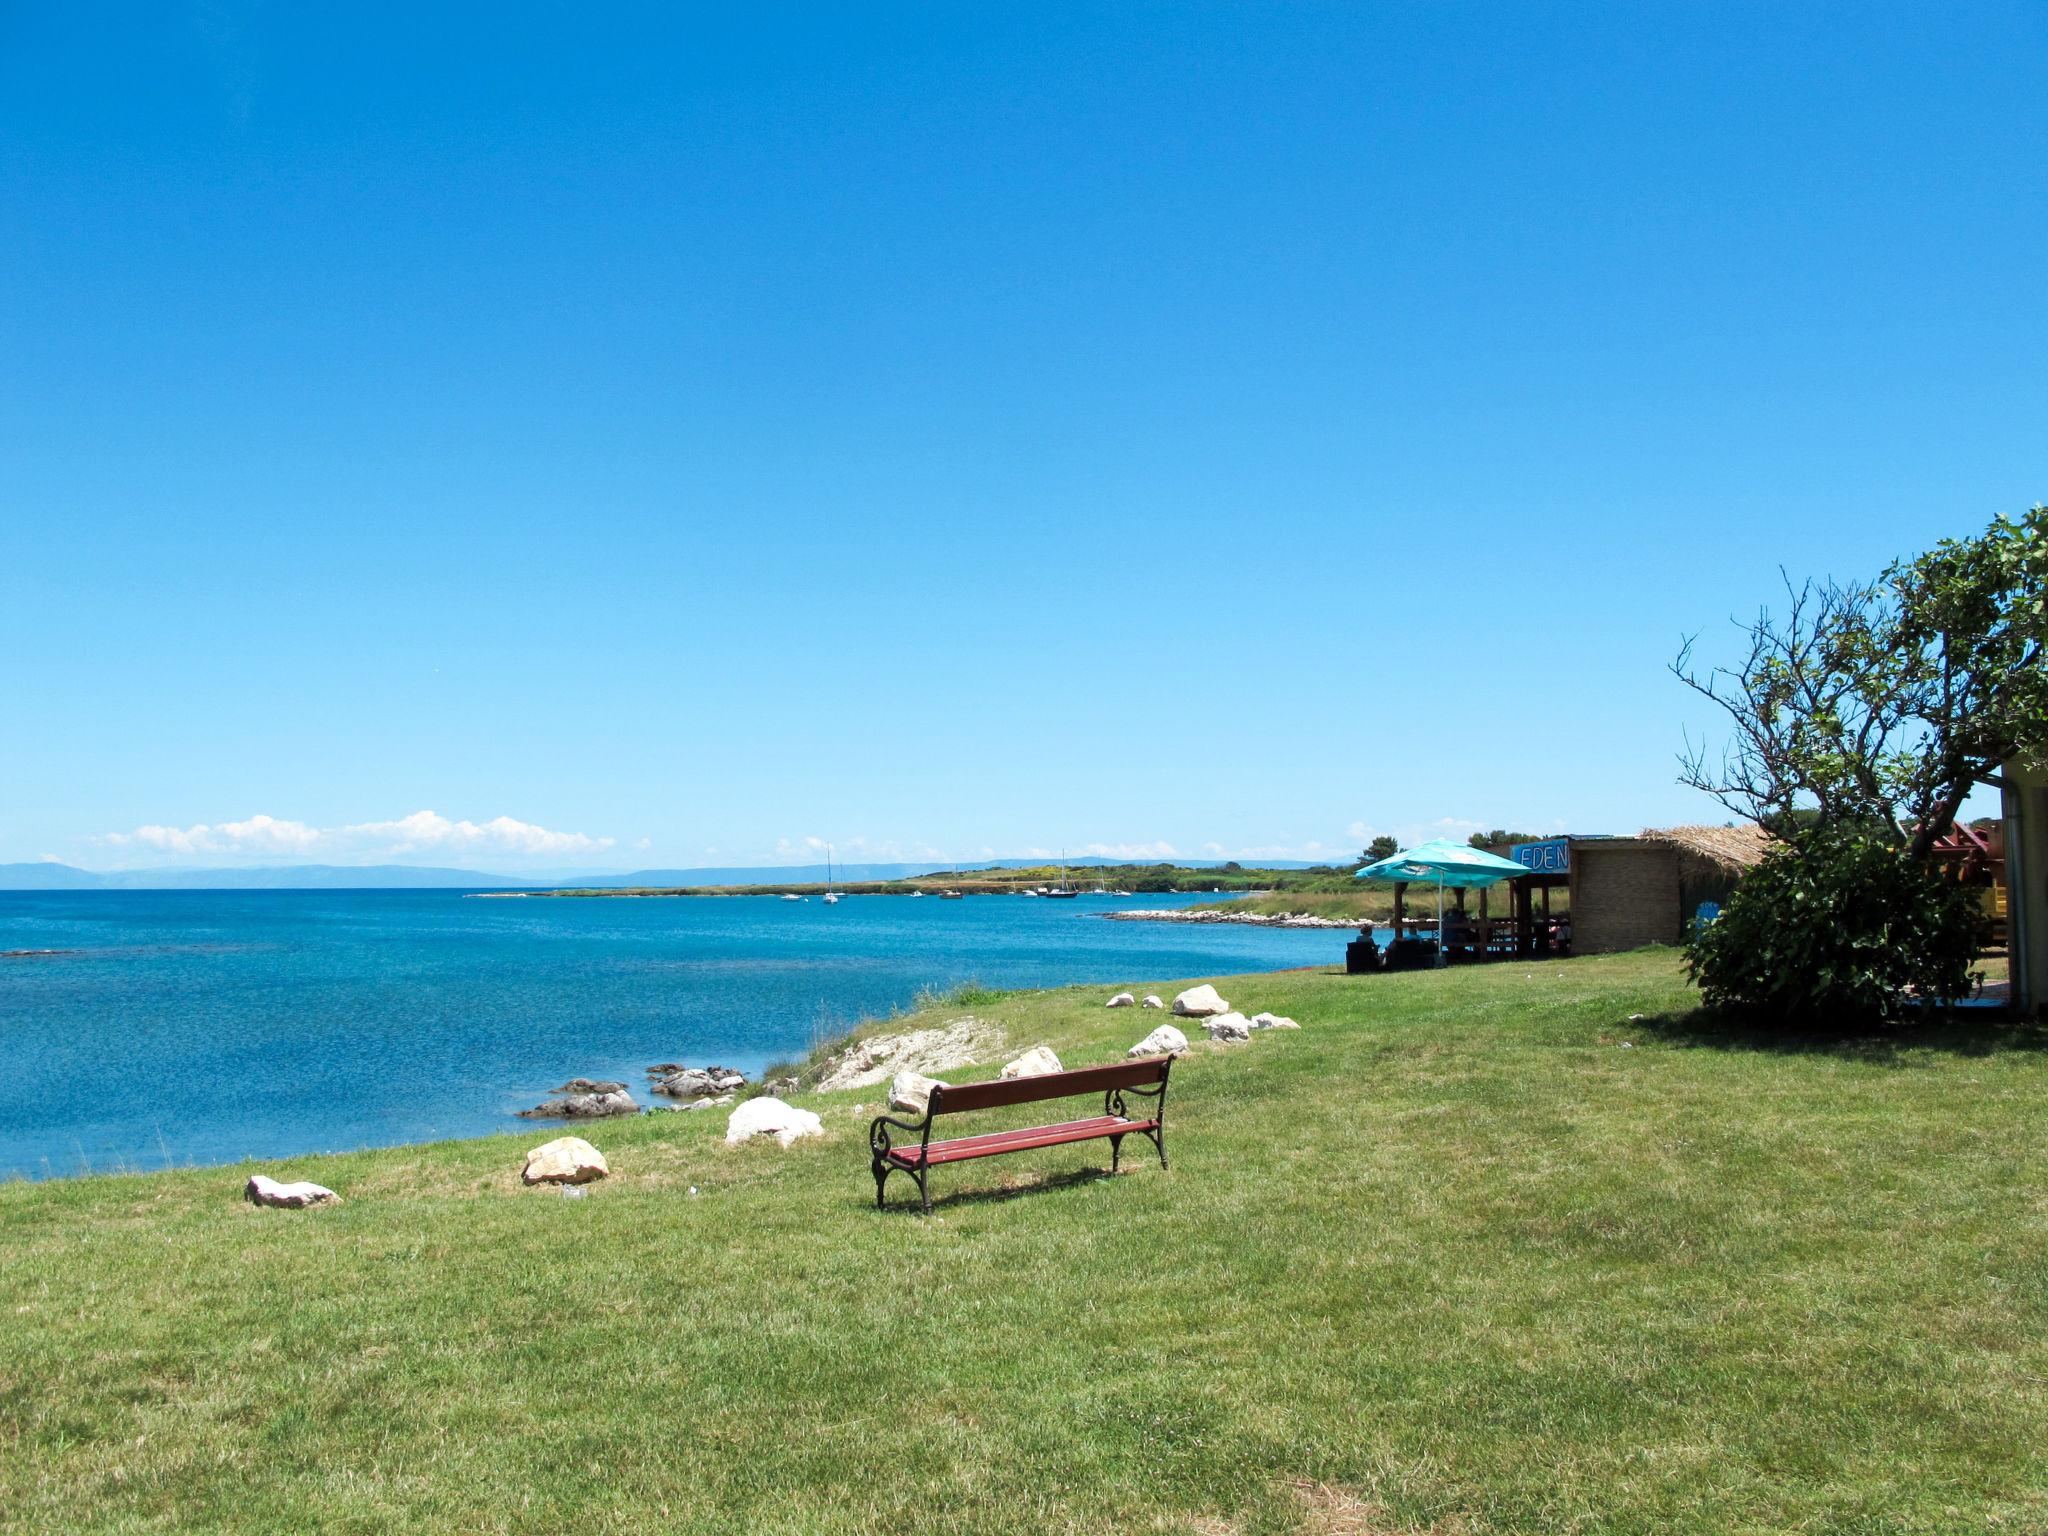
(536, 438)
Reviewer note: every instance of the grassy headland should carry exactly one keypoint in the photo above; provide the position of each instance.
(1472, 1249)
(1138, 878)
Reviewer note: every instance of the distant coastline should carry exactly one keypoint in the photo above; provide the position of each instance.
(1215, 915)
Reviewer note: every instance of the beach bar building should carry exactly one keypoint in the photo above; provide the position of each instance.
(1648, 889)
(2025, 794)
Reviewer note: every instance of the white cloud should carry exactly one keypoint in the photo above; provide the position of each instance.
(366, 841)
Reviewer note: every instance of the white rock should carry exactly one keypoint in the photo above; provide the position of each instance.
(911, 1092)
(1153, 1002)
(1228, 1026)
(1200, 1003)
(1121, 1000)
(264, 1190)
(1161, 1042)
(565, 1160)
(1036, 1062)
(1272, 1021)
(960, 1043)
(771, 1117)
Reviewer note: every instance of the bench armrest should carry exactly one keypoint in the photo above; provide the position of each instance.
(1113, 1101)
(878, 1132)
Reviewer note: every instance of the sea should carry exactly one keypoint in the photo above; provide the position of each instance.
(174, 1028)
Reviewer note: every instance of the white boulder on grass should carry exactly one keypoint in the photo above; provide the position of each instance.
(1036, 1062)
(565, 1160)
(771, 1117)
(1163, 1041)
(1121, 1000)
(1153, 1002)
(1228, 1026)
(1272, 1021)
(911, 1092)
(1201, 1002)
(264, 1190)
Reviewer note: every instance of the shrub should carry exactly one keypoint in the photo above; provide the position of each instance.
(1836, 932)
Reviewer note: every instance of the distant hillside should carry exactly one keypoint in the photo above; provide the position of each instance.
(47, 877)
(335, 877)
(294, 877)
(814, 874)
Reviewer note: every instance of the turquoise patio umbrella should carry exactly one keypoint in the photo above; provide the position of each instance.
(1448, 864)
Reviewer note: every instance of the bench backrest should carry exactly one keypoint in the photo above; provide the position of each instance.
(1050, 1085)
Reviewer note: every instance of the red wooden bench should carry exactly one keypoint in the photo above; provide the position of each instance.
(1144, 1079)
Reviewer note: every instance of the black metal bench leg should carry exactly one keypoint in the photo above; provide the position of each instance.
(1159, 1141)
(881, 1172)
(924, 1188)
(1116, 1152)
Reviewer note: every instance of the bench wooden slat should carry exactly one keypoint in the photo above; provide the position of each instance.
(995, 1142)
(1049, 1085)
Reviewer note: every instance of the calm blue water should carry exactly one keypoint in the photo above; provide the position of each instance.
(205, 1026)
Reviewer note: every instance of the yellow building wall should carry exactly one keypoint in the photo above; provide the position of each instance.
(2026, 863)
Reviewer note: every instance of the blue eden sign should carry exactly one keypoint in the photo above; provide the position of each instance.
(1552, 856)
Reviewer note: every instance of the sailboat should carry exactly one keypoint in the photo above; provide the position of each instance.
(1063, 889)
(831, 896)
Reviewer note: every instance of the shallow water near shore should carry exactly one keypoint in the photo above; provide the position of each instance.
(178, 1027)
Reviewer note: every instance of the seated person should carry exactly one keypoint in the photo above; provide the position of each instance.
(1363, 953)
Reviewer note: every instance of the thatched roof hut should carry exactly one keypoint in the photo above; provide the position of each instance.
(1733, 848)
(1648, 889)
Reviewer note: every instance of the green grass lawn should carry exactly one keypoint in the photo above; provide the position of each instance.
(1467, 1253)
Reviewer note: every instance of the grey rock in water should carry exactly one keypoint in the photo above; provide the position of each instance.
(590, 1085)
(583, 1106)
(700, 1082)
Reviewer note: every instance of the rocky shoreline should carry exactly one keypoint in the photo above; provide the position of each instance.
(1239, 919)
(588, 1098)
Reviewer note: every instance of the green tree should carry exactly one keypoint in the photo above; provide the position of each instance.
(1882, 704)
(1838, 932)
(1381, 847)
(1862, 717)
(1501, 838)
